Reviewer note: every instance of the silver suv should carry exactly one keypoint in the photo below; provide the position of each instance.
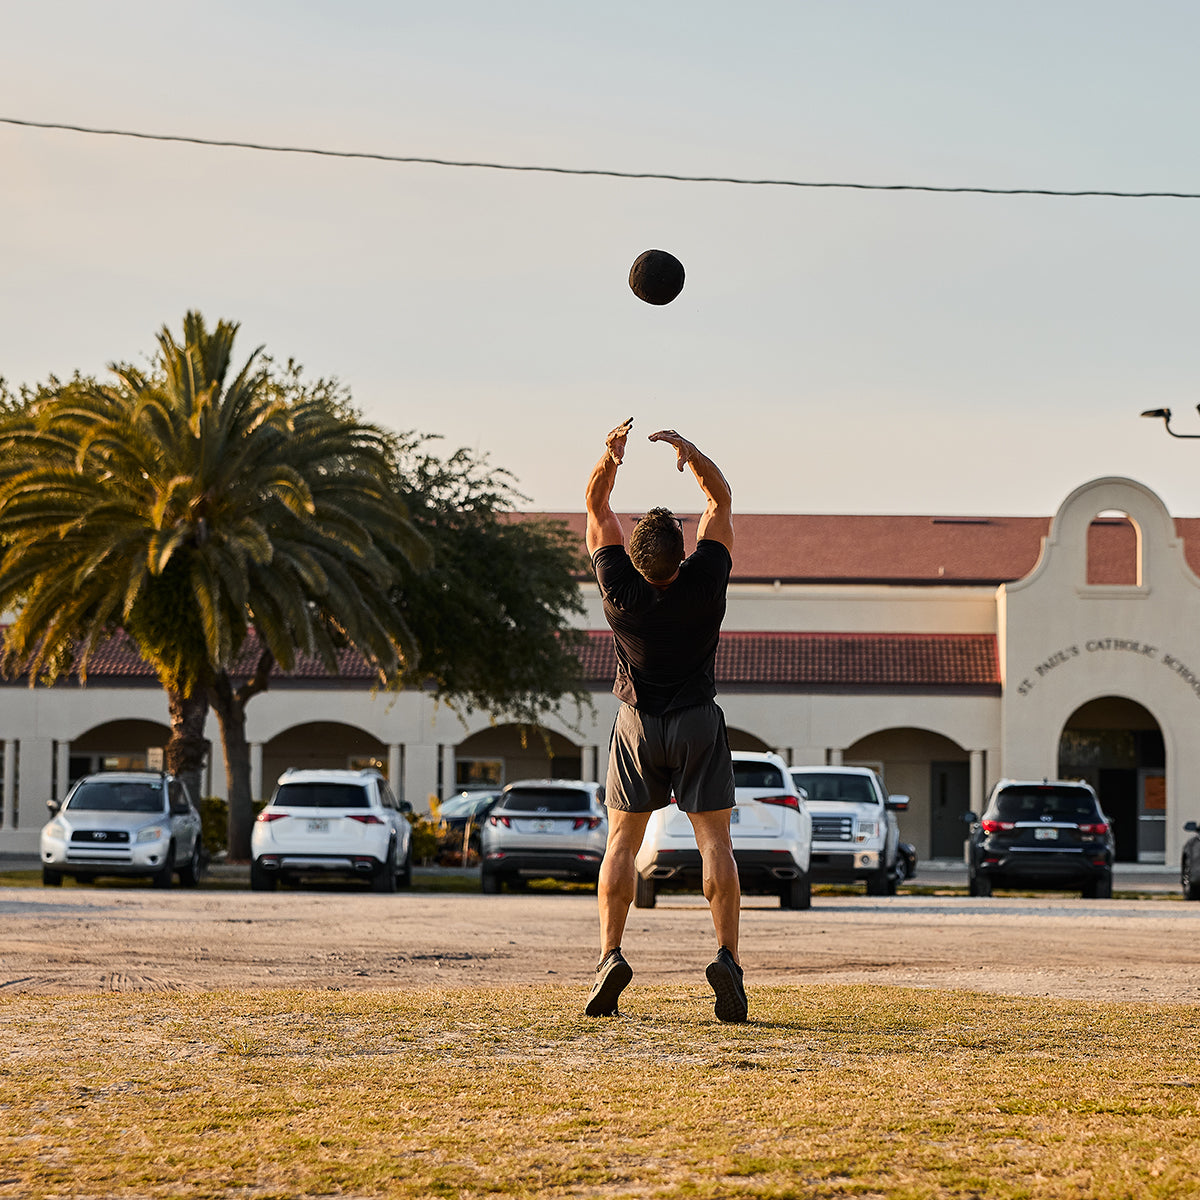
(332, 823)
(856, 837)
(544, 828)
(124, 823)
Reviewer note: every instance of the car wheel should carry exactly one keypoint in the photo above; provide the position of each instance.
(1191, 887)
(645, 894)
(900, 871)
(491, 883)
(262, 880)
(1098, 889)
(384, 879)
(979, 885)
(796, 893)
(165, 875)
(189, 873)
(51, 878)
(880, 884)
(405, 880)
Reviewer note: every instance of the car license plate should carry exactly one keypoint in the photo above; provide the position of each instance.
(543, 826)
(1045, 835)
(318, 825)
(734, 816)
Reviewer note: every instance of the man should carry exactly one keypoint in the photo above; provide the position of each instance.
(665, 612)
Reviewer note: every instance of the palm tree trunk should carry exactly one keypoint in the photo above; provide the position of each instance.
(187, 748)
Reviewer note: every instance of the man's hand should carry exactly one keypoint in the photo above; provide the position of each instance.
(683, 447)
(616, 440)
(716, 522)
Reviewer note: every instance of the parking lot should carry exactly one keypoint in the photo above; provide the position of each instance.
(81, 939)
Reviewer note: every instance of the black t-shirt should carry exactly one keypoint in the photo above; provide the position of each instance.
(666, 640)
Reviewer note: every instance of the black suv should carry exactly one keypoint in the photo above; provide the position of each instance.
(1050, 834)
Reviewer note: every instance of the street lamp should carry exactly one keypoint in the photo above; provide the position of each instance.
(1165, 413)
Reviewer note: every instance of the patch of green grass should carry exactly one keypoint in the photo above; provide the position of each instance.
(828, 1092)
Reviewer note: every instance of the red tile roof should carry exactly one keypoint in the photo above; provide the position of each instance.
(778, 660)
(119, 659)
(799, 548)
(799, 660)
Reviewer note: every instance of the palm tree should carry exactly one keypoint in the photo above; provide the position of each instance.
(187, 509)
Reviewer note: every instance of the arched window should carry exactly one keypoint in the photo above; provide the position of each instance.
(1114, 551)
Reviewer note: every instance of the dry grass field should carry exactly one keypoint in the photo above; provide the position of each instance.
(863, 1091)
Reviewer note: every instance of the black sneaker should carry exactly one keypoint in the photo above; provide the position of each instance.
(612, 975)
(725, 978)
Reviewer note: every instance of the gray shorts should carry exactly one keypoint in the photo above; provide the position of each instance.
(684, 752)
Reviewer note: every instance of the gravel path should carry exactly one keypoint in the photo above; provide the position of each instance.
(97, 939)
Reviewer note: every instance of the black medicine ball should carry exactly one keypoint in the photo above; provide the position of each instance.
(656, 277)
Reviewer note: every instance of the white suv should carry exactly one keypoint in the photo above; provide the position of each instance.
(772, 838)
(855, 834)
(332, 823)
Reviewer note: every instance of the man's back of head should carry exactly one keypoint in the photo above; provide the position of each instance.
(656, 545)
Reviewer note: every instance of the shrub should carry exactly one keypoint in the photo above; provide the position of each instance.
(424, 839)
(214, 824)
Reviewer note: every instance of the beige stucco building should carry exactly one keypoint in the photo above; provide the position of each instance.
(946, 651)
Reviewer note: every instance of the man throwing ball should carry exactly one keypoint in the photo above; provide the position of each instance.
(665, 612)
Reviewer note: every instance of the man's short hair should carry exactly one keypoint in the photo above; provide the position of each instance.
(656, 545)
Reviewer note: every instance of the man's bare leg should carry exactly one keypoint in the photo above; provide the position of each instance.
(617, 884)
(615, 890)
(721, 887)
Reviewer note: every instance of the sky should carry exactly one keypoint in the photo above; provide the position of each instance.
(832, 350)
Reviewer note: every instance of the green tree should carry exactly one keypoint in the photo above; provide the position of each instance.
(186, 507)
(493, 615)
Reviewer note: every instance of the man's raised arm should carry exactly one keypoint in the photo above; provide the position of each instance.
(603, 528)
(716, 522)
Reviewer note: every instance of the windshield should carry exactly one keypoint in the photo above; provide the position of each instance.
(849, 789)
(465, 806)
(320, 795)
(1037, 801)
(551, 800)
(117, 797)
(757, 775)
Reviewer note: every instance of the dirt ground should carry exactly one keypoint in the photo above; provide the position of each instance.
(121, 939)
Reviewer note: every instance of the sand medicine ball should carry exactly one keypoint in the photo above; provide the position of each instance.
(656, 277)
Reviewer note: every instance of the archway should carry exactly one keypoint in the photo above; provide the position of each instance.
(1116, 745)
(321, 745)
(117, 746)
(742, 739)
(504, 753)
(934, 772)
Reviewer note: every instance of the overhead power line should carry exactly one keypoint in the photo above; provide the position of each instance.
(611, 174)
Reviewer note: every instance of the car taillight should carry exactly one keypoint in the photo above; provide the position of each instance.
(500, 821)
(365, 818)
(997, 826)
(267, 816)
(786, 801)
(589, 822)
(1101, 828)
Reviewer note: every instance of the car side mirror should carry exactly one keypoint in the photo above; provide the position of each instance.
(1190, 827)
(970, 818)
(54, 806)
(897, 803)
(802, 794)
(404, 806)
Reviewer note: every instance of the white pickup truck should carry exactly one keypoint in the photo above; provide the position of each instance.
(855, 834)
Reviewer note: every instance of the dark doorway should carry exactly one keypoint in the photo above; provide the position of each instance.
(1116, 745)
(949, 801)
(1117, 789)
